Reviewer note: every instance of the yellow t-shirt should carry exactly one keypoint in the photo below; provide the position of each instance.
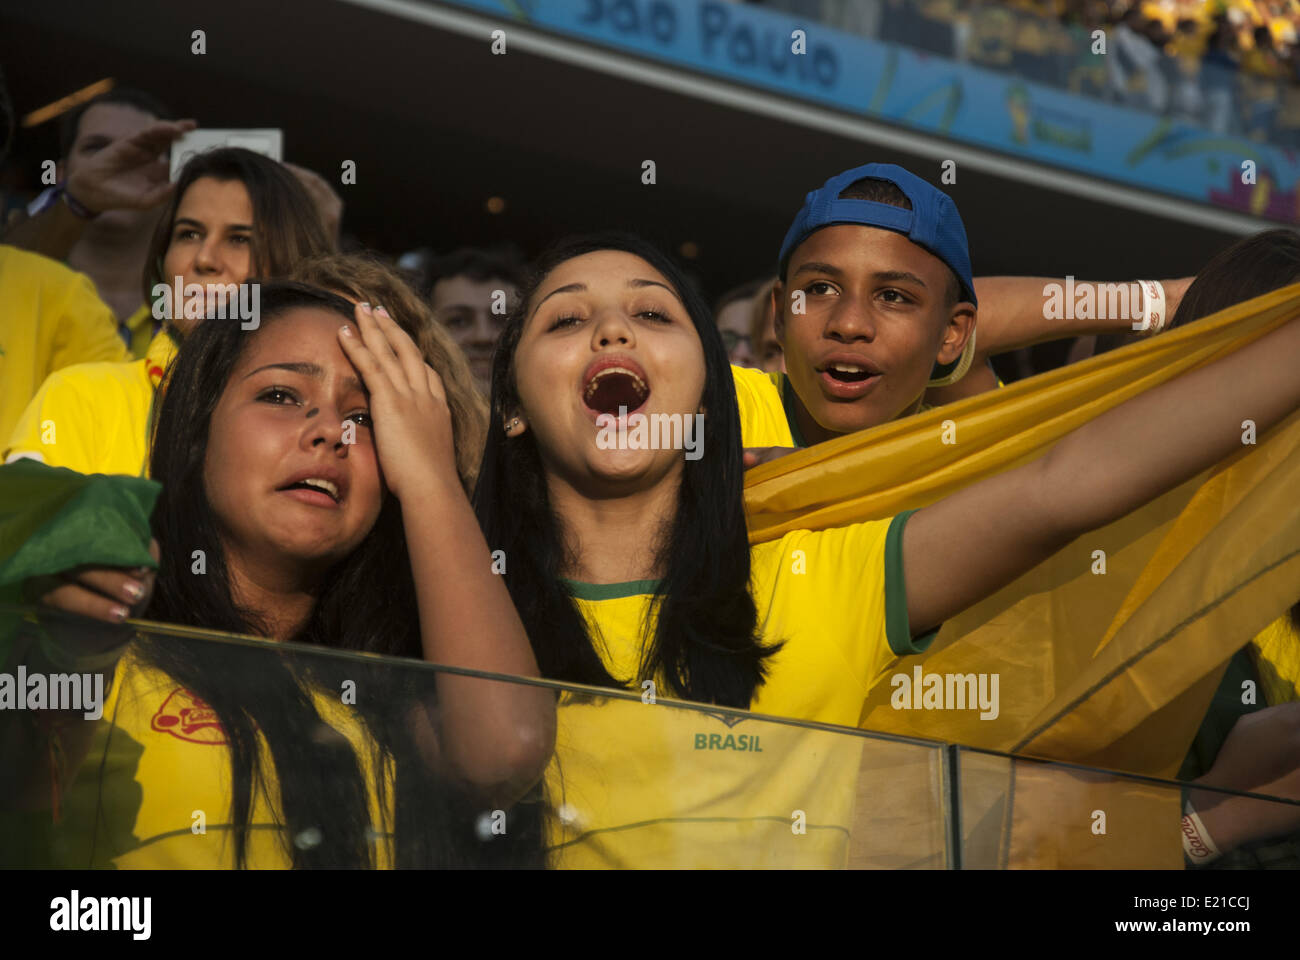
(651, 785)
(158, 757)
(140, 328)
(763, 418)
(94, 417)
(50, 318)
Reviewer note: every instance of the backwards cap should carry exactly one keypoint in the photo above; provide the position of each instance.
(933, 223)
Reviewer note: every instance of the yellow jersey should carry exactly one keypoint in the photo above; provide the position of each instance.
(643, 784)
(138, 330)
(94, 417)
(154, 789)
(766, 411)
(50, 318)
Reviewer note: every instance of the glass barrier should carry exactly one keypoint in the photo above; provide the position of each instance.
(139, 742)
(156, 746)
(1023, 813)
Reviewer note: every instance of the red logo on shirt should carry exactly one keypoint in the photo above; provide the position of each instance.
(186, 717)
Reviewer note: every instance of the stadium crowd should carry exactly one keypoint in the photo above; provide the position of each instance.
(1229, 65)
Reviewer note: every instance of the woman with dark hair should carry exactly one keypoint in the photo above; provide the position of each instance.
(311, 465)
(539, 498)
(283, 224)
(629, 561)
(234, 214)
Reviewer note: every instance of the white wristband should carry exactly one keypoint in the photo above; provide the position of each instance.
(1197, 844)
(1153, 308)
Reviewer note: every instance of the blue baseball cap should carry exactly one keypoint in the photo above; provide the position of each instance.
(933, 222)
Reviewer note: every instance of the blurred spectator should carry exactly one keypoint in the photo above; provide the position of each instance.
(1187, 47)
(471, 290)
(112, 184)
(50, 316)
(734, 313)
(1218, 77)
(1261, 71)
(1231, 66)
(328, 202)
(992, 30)
(762, 332)
(1133, 64)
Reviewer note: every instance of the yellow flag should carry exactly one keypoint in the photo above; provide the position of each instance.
(1108, 653)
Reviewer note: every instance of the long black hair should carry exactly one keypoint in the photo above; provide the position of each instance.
(1251, 267)
(348, 614)
(367, 602)
(706, 646)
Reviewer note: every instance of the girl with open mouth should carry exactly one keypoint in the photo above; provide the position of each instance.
(632, 567)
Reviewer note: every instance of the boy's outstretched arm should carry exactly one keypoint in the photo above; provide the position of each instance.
(976, 541)
(1013, 312)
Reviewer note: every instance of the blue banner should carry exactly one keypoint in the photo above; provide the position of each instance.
(929, 94)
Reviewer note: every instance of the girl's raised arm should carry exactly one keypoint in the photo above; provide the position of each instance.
(495, 736)
(969, 545)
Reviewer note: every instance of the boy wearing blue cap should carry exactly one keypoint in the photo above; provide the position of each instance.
(875, 304)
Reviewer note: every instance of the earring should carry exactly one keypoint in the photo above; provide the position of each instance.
(512, 424)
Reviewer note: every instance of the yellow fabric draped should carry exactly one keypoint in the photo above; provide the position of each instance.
(1277, 659)
(1109, 652)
